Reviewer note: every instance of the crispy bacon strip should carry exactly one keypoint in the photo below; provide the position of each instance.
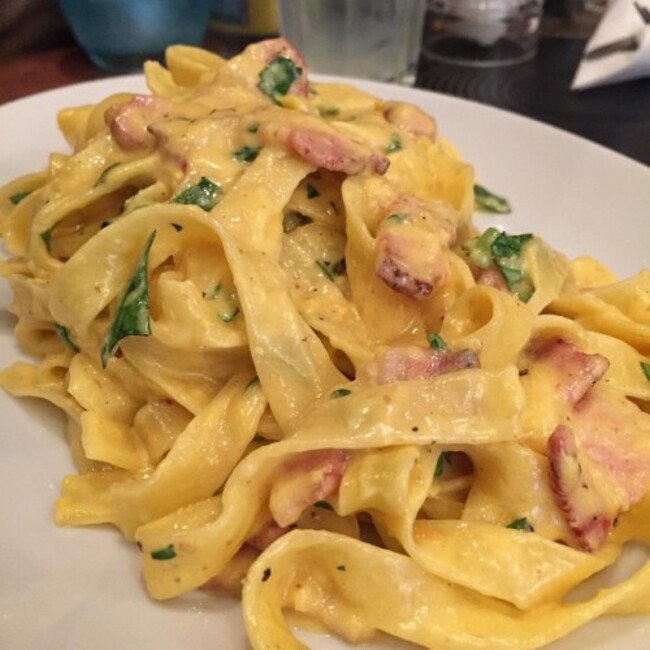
(412, 362)
(577, 371)
(310, 477)
(326, 149)
(128, 122)
(576, 492)
(413, 243)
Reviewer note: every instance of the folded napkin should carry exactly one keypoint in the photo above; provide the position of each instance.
(623, 28)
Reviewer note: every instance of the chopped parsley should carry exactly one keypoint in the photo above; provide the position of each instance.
(332, 269)
(277, 77)
(330, 111)
(246, 154)
(443, 459)
(229, 316)
(397, 217)
(293, 220)
(204, 194)
(340, 392)
(645, 367)
(213, 292)
(486, 201)
(394, 145)
(253, 127)
(64, 334)
(436, 341)
(521, 524)
(312, 192)
(18, 197)
(164, 553)
(324, 505)
(340, 567)
(102, 177)
(132, 310)
(497, 248)
(46, 237)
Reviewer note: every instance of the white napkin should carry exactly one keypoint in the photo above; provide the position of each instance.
(620, 21)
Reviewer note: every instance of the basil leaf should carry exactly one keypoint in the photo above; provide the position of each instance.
(340, 392)
(332, 269)
(204, 194)
(132, 309)
(277, 77)
(46, 237)
(324, 505)
(486, 201)
(505, 245)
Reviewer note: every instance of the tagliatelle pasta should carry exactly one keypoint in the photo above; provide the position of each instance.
(294, 370)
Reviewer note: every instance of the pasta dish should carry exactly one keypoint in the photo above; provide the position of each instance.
(293, 370)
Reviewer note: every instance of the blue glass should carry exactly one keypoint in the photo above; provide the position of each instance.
(121, 34)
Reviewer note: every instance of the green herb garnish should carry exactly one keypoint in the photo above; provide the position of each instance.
(645, 367)
(246, 154)
(18, 197)
(332, 269)
(486, 201)
(521, 524)
(340, 567)
(132, 309)
(229, 316)
(253, 128)
(323, 505)
(397, 217)
(165, 553)
(105, 173)
(329, 111)
(277, 77)
(176, 226)
(46, 237)
(63, 332)
(496, 248)
(340, 392)
(436, 341)
(394, 144)
(443, 459)
(212, 292)
(312, 192)
(293, 220)
(204, 194)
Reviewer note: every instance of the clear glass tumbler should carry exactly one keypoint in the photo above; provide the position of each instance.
(371, 39)
(482, 32)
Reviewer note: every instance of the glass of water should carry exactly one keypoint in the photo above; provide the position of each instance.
(369, 39)
(482, 33)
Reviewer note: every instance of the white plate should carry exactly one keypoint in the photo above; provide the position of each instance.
(74, 589)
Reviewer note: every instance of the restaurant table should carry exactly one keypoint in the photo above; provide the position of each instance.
(616, 116)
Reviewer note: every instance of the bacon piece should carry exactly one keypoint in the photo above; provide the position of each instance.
(325, 148)
(577, 492)
(270, 49)
(410, 118)
(577, 371)
(310, 477)
(413, 243)
(412, 362)
(492, 278)
(128, 122)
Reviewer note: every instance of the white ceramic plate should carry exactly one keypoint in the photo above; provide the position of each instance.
(75, 589)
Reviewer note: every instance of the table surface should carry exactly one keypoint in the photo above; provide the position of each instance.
(616, 116)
